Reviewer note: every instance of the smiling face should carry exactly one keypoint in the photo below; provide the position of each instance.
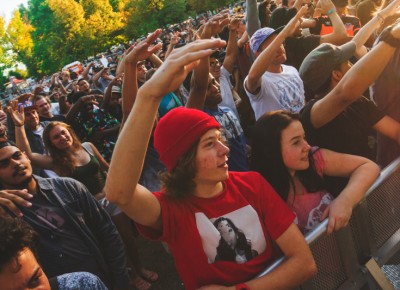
(24, 272)
(294, 148)
(211, 158)
(60, 137)
(83, 85)
(15, 168)
(215, 67)
(43, 107)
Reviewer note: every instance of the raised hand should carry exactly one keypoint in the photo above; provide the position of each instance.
(294, 23)
(170, 75)
(326, 5)
(234, 23)
(391, 9)
(17, 116)
(143, 49)
(215, 25)
(174, 40)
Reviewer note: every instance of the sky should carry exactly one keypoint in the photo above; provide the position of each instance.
(8, 6)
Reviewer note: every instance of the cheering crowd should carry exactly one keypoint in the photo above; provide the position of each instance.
(228, 140)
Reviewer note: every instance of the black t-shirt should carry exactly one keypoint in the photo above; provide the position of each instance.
(350, 132)
(59, 118)
(61, 249)
(297, 48)
(324, 25)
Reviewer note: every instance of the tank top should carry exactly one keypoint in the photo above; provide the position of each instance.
(90, 174)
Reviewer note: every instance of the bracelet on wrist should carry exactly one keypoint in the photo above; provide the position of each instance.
(242, 286)
(19, 126)
(330, 11)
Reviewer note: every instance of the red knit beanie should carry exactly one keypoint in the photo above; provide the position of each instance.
(178, 130)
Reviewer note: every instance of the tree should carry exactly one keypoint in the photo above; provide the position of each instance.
(18, 35)
(68, 30)
(156, 12)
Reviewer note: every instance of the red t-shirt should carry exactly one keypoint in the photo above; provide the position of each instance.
(227, 239)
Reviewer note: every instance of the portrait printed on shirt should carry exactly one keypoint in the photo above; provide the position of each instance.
(236, 236)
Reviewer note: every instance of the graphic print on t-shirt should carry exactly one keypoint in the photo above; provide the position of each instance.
(49, 217)
(314, 217)
(288, 96)
(236, 236)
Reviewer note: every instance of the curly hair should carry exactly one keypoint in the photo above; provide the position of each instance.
(15, 235)
(179, 183)
(63, 160)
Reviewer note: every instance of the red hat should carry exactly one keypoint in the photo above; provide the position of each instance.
(178, 130)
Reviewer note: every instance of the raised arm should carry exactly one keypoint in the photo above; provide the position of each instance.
(339, 33)
(78, 106)
(252, 20)
(265, 58)
(172, 42)
(135, 54)
(126, 165)
(232, 47)
(38, 160)
(366, 31)
(108, 91)
(85, 73)
(361, 172)
(354, 83)
(199, 81)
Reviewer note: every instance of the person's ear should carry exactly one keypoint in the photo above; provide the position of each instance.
(337, 75)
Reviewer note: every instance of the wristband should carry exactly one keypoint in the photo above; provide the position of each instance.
(386, 36)
(330, 11)
(242, 286)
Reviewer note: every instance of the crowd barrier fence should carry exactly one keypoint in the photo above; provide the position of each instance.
(352, 257)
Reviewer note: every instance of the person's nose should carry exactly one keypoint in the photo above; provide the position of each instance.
(224, 149)
(306, 146)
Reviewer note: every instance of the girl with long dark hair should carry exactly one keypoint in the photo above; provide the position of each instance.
(282, 155)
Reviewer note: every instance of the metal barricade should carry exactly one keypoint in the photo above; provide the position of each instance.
(351, 257)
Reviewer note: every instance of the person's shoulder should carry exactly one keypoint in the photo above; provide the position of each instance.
(58, 183)
(44, 123)
(79, 280)
(96, 92)
(247, 177)
(288, 69)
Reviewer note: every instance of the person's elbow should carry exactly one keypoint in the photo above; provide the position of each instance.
(252, 83)
(374, 170)
(115, 194)
(309, 267)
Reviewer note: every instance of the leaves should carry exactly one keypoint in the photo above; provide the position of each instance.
(48, 34)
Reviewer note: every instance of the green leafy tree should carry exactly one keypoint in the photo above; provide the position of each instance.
(157, 14)
(18, 35)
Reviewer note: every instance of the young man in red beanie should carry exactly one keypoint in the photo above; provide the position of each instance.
(221, 227)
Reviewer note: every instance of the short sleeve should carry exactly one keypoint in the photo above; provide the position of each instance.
(319, 161)
(277, 215)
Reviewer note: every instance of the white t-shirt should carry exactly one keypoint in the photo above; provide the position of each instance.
(226, 91)
(279, 91)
